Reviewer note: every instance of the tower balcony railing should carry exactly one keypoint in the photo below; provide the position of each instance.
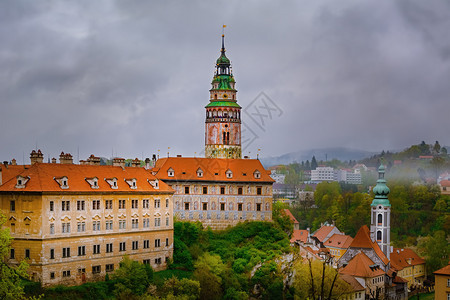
(222, 119)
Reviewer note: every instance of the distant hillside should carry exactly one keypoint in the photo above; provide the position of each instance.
(340, 153)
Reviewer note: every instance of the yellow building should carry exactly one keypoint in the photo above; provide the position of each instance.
(338, 244)
(75, 222)
(217, 192)
(442, 283)
(409, 266)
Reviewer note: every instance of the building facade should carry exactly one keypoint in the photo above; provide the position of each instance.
(217, 192)
(75, 222)
(321, 174)
(223, 114)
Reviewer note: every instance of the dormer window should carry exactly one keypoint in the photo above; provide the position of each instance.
(170, 172)
(199, 172)
(21, 182)
(132, 183)
(154, 183)
(93, 182)
(112, 182)
(257, 174)
(63, 182)
(229, 173)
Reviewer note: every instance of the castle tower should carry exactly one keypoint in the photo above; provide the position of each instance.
(380, 228)
(223, 114)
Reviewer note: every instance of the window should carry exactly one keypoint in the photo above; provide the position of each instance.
(27, 253)
(109, 248)
(52, 206)
(96, 249)
(96, 225)
(222, 190)
(186, 206)
(380, 219)
(134, 223)
(379, 236)
(167, 242)
(205, 206)
(146, 244)
(135, 245)
(239, 190)
(121, 204)
(81, 250)
(145, 203)
(205, 190)
(448, 282)
(52, 228)
(80, 205)
(13, 227)
(109, 267)
(96, 269)
(157, 203)
(122, 224)
(65, 227)
(157, 243)
(134, 204)
(122, 246)
(12, 253)
(258, 206)
(258, 190)
(167, 203)
(81, 226)
(65, 205)
(186, 190)
(81, 270)
(66, 252)
(222, 206)
(167, 221)
(66, 273)
(146, 261)
(109, 225)
(158, 261)
(146, 222)
(157, 222)
(95, 204)
(12, 205)
(52, 253)
(239, 206)
(108, 204)
(52, 275)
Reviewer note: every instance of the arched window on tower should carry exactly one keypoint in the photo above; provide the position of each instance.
(379, 236)
(380, 219)
(228, 138)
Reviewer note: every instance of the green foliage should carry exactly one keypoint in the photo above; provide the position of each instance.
(182, 258)
(436, 250)
(269, 280)
(280, 217)
(189, 289)
(132, 278)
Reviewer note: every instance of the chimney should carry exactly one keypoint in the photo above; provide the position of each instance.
(36, 157)
(118, 162)
(53, 160)
(147, 163)
(93, 160)
(179, 155)
(65, 158)
(135, 163)
(13, 162)
(154, 160)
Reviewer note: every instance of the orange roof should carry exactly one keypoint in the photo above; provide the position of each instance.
(299, 235)
(323, 231)
(290, 215)
(212, 169)
(43, 177)
(363, 240)
(361, 266)
(356, 286)
(339, 241)
(402, 258)
(11, 171)
(445, 183)
(444, 271)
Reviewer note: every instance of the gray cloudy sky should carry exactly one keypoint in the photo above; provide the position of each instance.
(132, 77)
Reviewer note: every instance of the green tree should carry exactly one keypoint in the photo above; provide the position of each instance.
(437, 147)
(209, 283)
(132, 278)
(313, 163)
(10, 277)
(436, 250)
(188, 288)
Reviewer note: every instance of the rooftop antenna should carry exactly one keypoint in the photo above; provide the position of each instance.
(257, 154)
(158, 153)
(78, 154)
(195, 154)
(168, 149)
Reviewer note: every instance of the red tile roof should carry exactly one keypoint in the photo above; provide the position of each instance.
(214, 169)
(363, 240)
(402, 258)
(290, 215)
(356, 286)
(339, 241)
(11, 171)
(323, 231)
(43, 178)
(299, 235)
(444, 271)
(360, 266)
(445, 183)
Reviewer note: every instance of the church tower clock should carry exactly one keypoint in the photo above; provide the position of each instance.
(380, 229)
(223, 114)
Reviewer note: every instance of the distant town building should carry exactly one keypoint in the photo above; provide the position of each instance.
(442, 283)
(278, 177)
(321, 174)
(349, 176)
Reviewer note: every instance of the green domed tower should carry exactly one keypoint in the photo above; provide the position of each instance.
(223, 114)
(380, 229)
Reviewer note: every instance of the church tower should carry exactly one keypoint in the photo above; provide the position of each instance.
(223, 114)
(380, 228)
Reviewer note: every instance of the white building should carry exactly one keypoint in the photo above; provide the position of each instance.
(321, 174)
(349, 176)
(278, 177)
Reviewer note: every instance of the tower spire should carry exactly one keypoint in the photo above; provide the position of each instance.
(223, 39)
